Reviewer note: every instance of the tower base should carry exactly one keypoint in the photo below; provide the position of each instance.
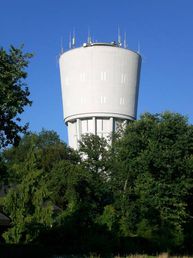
(101, 126)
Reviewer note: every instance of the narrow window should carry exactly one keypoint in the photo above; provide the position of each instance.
(103, 100)
(122, 101)
(82, 77)
(123, 78)
(83, 100)
(103, 76)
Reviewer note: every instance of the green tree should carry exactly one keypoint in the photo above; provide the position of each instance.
(71, 188)
(152, 177)
(3, 172)
(47, 148)
(14, 94)
(96, 159)
(80, 194)
(95, 154)
(29, 201)
(28, 205)
(140, 188)
(83, 185)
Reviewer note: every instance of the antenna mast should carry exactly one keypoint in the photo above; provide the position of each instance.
(119, 37)
(138, 48)
(89, 39)
(61, 46)
(125, 40)
(70, 43)
(73, 39)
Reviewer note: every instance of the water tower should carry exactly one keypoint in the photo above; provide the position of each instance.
(100, 83)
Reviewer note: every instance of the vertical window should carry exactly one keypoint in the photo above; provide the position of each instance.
(83, 100)
(103, 100)
(82, 76)
(123, 78)
(103, 76)
(122, 101)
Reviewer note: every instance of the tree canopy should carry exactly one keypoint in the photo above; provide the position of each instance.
(152, 177)
(134, 196)
(14, 94)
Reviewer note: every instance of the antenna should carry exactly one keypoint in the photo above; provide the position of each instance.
(73, 39)
(70, 43)
(138, 48)
(125, 40)
(89, 39)
(61, 46)
(119, 37)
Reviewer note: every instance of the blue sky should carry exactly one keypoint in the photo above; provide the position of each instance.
(164, 29)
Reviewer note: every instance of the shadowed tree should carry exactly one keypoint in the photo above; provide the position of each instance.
(14, 94)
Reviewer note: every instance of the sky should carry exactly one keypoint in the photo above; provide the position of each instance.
(162, 29)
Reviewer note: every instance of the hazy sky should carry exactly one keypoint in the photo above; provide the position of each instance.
(164, 29)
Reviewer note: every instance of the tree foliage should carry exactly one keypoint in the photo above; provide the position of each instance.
(14, 94)
(137, 193)
(29, 167)
(154, 182)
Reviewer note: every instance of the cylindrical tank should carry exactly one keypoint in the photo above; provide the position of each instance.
(100, 85)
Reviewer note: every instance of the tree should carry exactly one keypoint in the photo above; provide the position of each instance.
(29, 201)
(136, 192)
(152, 178)
(47, 148)
(51, 186)
(28, 205)
(14, 94)
(96, 159)
(95, 155)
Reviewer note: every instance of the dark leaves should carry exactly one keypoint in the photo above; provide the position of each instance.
(13, 94)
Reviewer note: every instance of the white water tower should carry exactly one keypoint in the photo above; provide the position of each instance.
(100, 83)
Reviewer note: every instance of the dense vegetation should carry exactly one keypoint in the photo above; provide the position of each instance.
(135, 195)
(132, 196)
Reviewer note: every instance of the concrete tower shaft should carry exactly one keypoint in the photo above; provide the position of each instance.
(99, 89)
